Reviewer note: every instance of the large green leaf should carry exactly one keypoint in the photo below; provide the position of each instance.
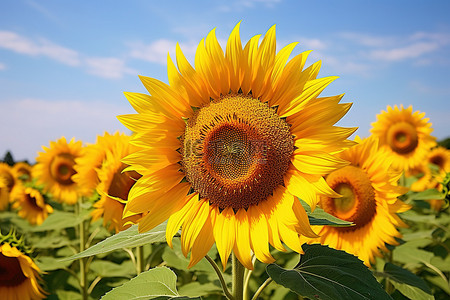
(408, 253)
(157, 282)
(320, 217)
(48, 263)
(104, 268)
(326, 273)
(196, 289)
(125, 239)
(412, 292)
(429, 194)
(175, 258)
(59, 220)
(404, 276)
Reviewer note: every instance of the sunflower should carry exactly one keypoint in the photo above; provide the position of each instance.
(114, 185)
(433, 177)
(23, 171)
(31, 205)
(406, 136)
(19, 275)
(93, 157)
(227, 147)
(55, 167)
(9, 178)
(4, 194)
(369, 200)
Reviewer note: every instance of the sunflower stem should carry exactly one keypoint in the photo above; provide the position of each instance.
(140, 262)
(221, 279)
(261, 288)
(238, 278)
(83, 269)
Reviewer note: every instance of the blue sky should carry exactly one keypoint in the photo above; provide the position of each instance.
(64, 65)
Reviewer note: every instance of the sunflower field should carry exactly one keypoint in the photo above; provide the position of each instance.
(233, 182)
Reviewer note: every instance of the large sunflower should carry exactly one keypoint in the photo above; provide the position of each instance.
(92, 158)
(19, 275)
(31, 205)
(228, 145)
(55, 167)
(406, 136)
(369, 199)
(114, 185)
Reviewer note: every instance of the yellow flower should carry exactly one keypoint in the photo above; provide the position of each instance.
(114, 185)
(55, 167)
(228, 145)
(406, 136)
(23, 171)
(19, 275)
(369, 199)
(93, 157)
(9, 177)
(31, 205)
(432, 179)
(4, 194)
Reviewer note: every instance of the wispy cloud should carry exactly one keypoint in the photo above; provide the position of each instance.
(19, 44)
(108, 67)
(415, 46)
(245, 4)
(2, 66)
(157, 51)
(105, 67)
(43, 120)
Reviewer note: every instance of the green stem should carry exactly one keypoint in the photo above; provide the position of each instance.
(387, 286)
(261, 288)
(83, 269)
(238, 278)
(221, 279)
(140, 262)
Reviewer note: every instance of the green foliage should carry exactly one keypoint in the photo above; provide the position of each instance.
(125, 239)
(326, 273)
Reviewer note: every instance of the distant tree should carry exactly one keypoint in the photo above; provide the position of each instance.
(445, 143)
(8, 159)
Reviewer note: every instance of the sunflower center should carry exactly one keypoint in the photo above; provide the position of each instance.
(10, 271)
(33, 202)
(122, 183)
(236, 151)
(61, 168)
(438, 161)
(402, 137)
(357, 203)
(9, 180)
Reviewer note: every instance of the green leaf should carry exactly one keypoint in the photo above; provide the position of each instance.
(157, 282)
(409, 254)
(68, 295)
(125, 239)
(57, 221)
(412, 292)
(320, 217)
(429, 194)
(175, 258)
(196, 289)
(326, 273)
(404, 276)
(48, 263)
(104, 268)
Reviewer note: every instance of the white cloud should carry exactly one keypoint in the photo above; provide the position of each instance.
(19, 44)
(2, 66)
(32, 123)
(157, 51)
(402, 53)
(105, 67)
(416, 46)
(108, 67)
